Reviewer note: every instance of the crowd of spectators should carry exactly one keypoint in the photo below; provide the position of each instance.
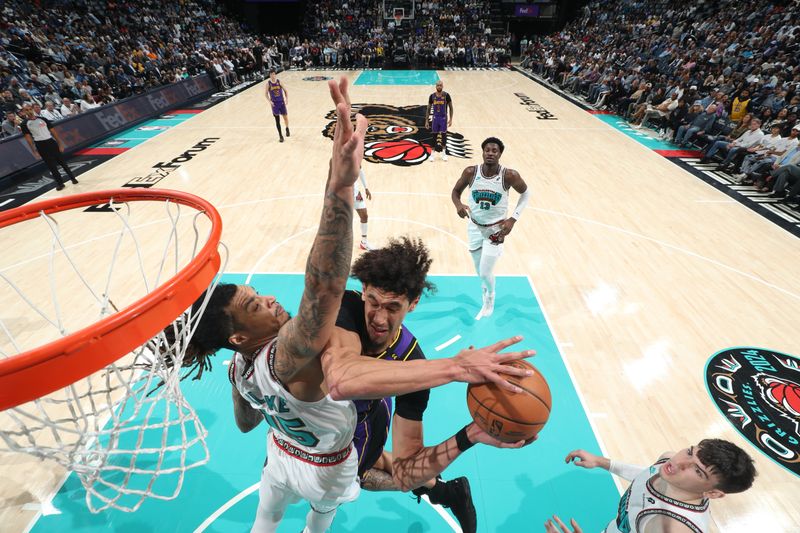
(64, 57)
(721, 76)
(355, 34)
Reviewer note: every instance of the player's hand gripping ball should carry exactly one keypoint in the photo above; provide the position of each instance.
(508, 416)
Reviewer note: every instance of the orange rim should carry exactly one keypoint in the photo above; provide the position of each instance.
(53, 366)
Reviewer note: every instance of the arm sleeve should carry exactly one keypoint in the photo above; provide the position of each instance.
(625, 471)
(24, 128)
(522, 202)
(363, 178)
(430, 99)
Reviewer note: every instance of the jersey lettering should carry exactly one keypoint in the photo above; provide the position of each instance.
(623, 524)
(486, 197)
(293, 427)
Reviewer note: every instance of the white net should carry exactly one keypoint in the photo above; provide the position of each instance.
(127, 431)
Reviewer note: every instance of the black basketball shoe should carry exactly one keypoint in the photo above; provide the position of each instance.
(455, 495)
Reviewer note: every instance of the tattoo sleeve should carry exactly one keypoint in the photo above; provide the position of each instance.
(427, 463)
(377, 480)
(327, 268)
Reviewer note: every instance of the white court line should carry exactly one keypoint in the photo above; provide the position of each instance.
(447, 343)
(225, 506)
(402, 193)
(249, 490)
(672, 247)
(581, 398)
(730, 201)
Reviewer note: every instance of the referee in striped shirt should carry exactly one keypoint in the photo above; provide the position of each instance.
(44, 140)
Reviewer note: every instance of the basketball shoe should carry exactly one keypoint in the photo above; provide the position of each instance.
(432, 158)
(364, 245)
(444, 156)
(488, 306)
(456, 496)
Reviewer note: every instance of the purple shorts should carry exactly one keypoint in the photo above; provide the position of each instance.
(370, 436)
(279, 108)
(439, 124)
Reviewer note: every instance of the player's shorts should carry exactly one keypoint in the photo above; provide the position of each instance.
(370, 436)
(439, 124)
(358, 199)
(325, 487)
(279, 108)
(480, 237)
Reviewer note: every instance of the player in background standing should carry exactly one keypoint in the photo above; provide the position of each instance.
(361, 208)
(486, 210)
(278, 98)
(442, 106)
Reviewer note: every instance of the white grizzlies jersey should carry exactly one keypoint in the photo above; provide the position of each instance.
(320, 427)
(642, 502)
(488, 197)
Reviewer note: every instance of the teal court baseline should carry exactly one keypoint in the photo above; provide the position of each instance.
(513, 490)
(397, 77)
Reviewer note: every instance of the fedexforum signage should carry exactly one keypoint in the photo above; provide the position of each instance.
(161, 170)
(533, 107)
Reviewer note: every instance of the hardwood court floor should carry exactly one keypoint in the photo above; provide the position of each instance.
(644, 270)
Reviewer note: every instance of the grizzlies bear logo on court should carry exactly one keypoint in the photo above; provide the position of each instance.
(759, 392)
(397, 135)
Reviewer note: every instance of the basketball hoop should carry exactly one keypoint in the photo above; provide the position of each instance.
(398, 14)
(97, 387)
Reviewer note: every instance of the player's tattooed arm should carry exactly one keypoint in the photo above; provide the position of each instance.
(327, 268)
(328, 264)
(377, 480)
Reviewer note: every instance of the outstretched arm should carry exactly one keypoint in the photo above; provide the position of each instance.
(588, 460)
(328, 264)
(350, 376)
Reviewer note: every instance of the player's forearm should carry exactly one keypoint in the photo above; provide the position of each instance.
(625, 471)
(358, 377)
(327, 269)
(455, 197)
(411, 472)
(246, 417)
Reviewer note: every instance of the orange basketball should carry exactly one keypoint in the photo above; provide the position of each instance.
(507, 416)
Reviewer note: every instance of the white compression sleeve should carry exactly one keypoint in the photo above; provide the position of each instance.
(625, 471)
(521, 203)
(363, 178)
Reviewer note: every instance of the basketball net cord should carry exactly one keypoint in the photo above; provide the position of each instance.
(127, 431)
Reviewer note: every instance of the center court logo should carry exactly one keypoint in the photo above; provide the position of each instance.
(397, 135)
(758, 391)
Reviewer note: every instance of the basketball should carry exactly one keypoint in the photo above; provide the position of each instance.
(507, 416)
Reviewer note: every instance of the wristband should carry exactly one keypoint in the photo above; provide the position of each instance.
(462, 441)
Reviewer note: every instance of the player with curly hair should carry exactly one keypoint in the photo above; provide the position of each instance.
(393, 279)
